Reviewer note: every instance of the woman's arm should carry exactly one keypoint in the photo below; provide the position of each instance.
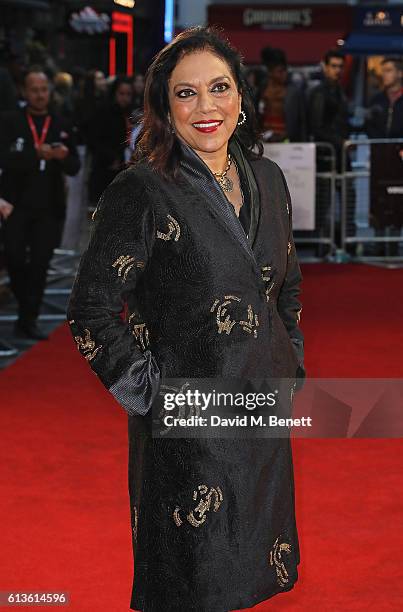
(289, 306)
(120, 246)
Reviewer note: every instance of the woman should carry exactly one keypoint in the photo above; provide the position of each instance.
(198, 218)
(109, 135)
(89, 98)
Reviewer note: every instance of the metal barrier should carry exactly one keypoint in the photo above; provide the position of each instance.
(322, 238)
(311, 171)
(371, 222)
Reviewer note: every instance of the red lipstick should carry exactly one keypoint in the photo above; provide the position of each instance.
(207, 126)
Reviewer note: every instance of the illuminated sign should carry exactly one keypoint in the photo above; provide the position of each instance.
(169, 20)
(126, 3)
(377, 18)
(88, 21)
(121, 24)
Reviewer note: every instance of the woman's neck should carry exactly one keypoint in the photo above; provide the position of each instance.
(215, 160)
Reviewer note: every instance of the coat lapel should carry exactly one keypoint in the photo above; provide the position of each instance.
(199, 175)
(254, 195)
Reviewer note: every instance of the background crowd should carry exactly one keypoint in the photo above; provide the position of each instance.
(52, 176)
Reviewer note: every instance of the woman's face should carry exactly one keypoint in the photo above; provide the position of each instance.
(204, 101)
(123, 95)
(100, 81)
(138, 84)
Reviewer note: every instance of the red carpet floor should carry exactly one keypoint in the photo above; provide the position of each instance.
(64, 514)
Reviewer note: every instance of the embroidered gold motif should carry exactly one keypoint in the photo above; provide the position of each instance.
(267, 292)
(173, 227)
(176, 516)
(292, 391)
(252, 322)
(197, 516)
(135, 522)
(87, 346)
(125, 263)
(224, 321)
(264, 272)
(266, 276)
(140, 331)
(275, 558)
(232, 297)
(289, 248)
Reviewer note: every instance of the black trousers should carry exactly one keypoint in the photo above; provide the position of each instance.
(29, 240)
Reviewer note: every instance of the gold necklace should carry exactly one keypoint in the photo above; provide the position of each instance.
(224, 181)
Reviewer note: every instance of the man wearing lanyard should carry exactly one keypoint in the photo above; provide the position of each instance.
(36, 150)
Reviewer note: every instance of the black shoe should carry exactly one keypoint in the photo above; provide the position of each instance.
(28, 328)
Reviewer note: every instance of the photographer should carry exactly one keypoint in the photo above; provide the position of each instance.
(36, 149)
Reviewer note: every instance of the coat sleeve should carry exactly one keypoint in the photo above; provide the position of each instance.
(318, 122)
(119, 250)
(71, 164)
(289, 305)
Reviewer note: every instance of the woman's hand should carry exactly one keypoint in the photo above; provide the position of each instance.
(5, 208)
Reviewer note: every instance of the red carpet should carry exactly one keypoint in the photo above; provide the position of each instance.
(64, 514)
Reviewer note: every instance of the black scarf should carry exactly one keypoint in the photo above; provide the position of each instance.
(196, 171)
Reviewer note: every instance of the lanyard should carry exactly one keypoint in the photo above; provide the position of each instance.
(38, 140)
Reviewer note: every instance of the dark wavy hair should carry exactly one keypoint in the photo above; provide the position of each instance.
(156, 143)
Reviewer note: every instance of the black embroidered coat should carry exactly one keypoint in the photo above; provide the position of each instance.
(213, 520)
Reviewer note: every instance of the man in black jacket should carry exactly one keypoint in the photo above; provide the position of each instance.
(386, 121)
(328, 122)
(36, 149)
(328, 110)
(386, 108)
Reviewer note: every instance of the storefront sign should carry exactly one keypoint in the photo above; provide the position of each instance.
(379, 20)
(298, 162)
(278, 18)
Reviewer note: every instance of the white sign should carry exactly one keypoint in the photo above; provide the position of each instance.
(298, 162)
